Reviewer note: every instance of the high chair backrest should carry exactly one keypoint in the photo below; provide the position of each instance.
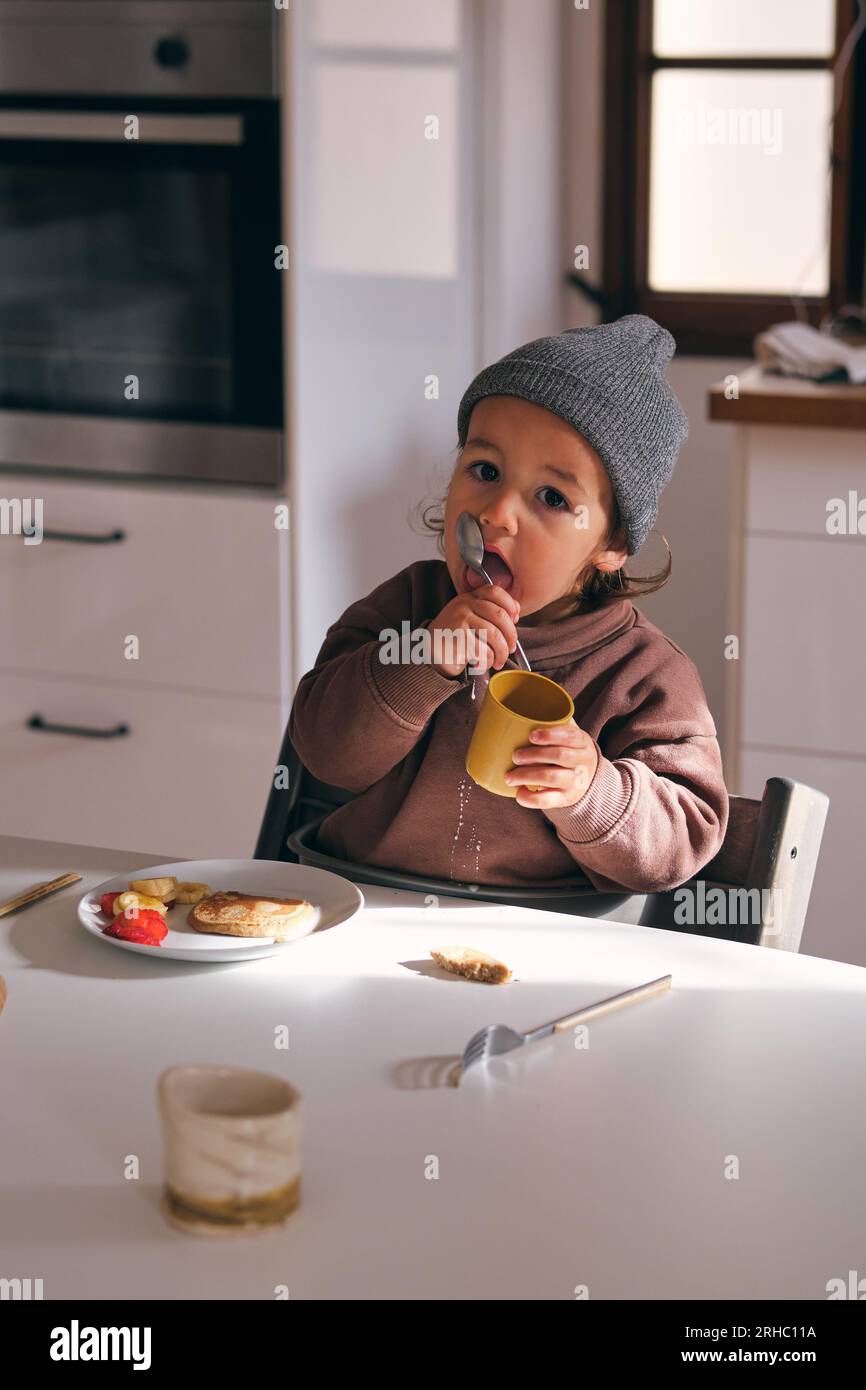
(296, 798)
(762, 876)
(756, 889)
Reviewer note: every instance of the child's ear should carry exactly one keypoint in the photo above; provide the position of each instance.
(615, 556)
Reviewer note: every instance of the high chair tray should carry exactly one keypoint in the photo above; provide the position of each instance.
(303, 844)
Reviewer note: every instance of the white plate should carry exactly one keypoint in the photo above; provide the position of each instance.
(336, 899)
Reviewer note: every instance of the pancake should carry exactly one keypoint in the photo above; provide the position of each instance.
(246, 914)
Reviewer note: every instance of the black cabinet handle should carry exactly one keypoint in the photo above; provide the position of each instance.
(37, 722)
(84, 537)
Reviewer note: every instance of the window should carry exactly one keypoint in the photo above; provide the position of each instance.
(731, 197)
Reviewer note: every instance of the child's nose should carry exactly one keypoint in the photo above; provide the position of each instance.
(502, 513)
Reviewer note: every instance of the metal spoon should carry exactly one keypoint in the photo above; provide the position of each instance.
(471, 545)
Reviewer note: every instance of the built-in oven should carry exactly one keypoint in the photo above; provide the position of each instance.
(140, 234)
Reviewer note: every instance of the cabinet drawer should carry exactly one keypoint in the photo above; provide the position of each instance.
(793, 474)
(802, 654)
(190, 779)
(196, 579)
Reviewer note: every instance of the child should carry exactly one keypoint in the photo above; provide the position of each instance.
(565, 446)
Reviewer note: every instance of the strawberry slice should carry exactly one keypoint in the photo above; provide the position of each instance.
(146, 927)
(106, 902)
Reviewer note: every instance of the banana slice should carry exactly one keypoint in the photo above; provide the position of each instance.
(162, 888)
(125, 900)
(192, 892)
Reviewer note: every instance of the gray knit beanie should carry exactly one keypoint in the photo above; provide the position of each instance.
(609, 383)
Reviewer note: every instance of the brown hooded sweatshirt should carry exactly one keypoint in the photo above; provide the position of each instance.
(655, 812)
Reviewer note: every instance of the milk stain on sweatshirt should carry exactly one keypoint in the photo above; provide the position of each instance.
(473, 843)
(464, 791)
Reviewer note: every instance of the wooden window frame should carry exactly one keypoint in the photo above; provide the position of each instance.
(713, 324)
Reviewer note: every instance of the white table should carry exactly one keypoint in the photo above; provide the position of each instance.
(558, 1167)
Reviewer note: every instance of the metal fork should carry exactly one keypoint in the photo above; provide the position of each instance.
(496, 1038)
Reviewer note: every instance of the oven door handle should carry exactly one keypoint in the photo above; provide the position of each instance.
(153, 128)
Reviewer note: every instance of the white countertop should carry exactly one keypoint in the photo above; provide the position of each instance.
(605, 1167)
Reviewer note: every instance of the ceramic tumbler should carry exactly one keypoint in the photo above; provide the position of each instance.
(232, 1140)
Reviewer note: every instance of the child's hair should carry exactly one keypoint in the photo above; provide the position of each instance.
(592, 591)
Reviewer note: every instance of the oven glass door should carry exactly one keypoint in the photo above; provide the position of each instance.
(137, 263)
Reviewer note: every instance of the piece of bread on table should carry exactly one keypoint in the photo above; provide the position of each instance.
(230, 913)
(475, 965)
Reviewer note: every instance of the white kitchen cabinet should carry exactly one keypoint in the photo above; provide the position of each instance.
(802, 669)
(201, 578)
(793, 473)
(196, 579)
(189, 779)
(798, 687)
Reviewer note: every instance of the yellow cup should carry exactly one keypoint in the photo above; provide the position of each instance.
(516, 702)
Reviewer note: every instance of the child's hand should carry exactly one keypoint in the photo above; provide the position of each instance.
(483, 619)
(561, 760)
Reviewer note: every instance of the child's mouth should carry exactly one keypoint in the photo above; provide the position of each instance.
(496, 567)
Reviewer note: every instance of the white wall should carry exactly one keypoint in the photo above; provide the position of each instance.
(696, 515)
(519, 177)
(371, 197)
(379, 301)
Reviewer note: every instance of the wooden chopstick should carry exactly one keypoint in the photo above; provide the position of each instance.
(41, 890)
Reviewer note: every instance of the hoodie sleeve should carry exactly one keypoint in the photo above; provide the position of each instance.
(657, 808)
(354, 717)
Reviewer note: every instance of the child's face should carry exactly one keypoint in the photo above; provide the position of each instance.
(547, 527)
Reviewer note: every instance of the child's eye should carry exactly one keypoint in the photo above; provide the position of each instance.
(483, 464)
(553, 507)
(560, 496)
